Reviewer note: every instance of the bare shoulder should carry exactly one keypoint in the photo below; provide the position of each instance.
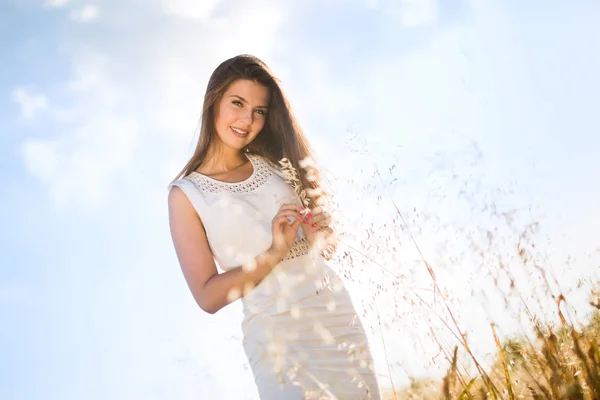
(181, 210)
(178, 198)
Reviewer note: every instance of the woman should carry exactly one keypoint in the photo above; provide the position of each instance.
(232, 206)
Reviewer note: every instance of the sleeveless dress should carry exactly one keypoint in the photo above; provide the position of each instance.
(302, 337)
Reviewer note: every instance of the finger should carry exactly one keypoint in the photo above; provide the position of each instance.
(316, 218)
(321, 219)
(305, 211)
(320, 210)
(281, 224)
(288, 213)
(284, 219)
(296, 224)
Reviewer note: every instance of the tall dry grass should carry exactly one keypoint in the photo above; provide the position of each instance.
(563, 363)
(555, 356)
(452, 273)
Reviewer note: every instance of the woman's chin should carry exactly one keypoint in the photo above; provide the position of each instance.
(236, 146)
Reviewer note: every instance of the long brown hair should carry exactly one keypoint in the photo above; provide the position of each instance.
(281, 137)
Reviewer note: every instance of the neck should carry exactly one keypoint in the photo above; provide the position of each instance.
(223, 159)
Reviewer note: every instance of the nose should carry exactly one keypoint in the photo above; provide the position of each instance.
(247, 116)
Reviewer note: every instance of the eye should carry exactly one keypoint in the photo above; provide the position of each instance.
(237, 103)
(261, 112)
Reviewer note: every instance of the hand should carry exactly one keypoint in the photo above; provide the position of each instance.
(315, 223)
(317, 218)
(284, 232)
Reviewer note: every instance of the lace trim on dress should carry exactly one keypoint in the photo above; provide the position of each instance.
(299, 248)
(259, 176)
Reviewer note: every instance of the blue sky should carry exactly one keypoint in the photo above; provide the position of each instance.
(99, 110)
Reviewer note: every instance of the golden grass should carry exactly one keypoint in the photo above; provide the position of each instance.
(564, 363)
(559, 361)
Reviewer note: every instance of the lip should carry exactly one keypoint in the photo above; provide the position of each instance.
(238, 134)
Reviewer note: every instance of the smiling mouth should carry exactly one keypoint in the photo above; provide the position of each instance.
(239, 131)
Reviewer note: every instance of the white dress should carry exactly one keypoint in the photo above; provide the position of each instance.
(302, 336)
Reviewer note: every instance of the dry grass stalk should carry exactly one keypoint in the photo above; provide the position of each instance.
(565, 363)
(503, 360)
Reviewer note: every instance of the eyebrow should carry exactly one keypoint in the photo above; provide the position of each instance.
(245, 101)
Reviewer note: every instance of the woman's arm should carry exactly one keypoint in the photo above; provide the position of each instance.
(211, 290)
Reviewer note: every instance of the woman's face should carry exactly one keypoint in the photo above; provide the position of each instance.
(241, 113)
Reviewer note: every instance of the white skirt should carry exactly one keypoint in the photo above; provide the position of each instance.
(303, 338)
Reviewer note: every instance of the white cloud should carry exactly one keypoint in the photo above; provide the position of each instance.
(88, 70)
(31, 102)
(249, 27)
(190, 9)
(56, 3)
(41, 158)
(81, 165)
(86, 14)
